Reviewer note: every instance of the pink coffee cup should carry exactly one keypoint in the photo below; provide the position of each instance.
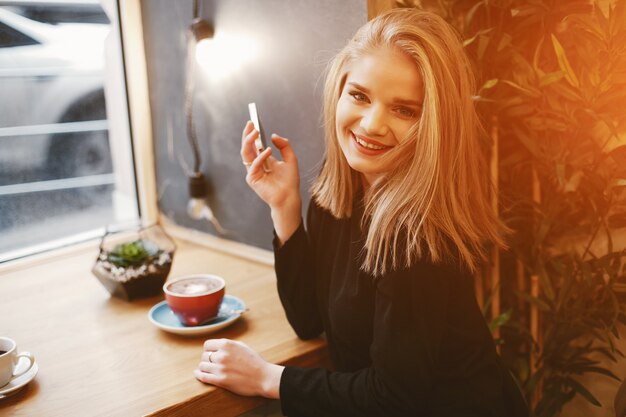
(195, 298)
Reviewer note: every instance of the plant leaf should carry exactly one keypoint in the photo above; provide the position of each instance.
(564, 64)
(550, 78)
(471, 40)
(542, 305)
(489, 84)
(580, 389)
(531, 92)
(617, 182)
(500, 320)
(594, 369)
(469, 16)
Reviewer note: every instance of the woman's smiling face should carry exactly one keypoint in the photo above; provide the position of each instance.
(380, 102)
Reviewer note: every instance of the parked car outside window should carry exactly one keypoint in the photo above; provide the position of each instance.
(51, 74)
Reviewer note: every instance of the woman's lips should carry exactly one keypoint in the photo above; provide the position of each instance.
(361, 144)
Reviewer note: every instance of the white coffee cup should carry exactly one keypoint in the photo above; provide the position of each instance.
(9, 358)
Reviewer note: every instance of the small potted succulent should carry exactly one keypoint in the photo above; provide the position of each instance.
(134, 264)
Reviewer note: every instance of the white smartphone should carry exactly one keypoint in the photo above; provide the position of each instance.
(260, 144)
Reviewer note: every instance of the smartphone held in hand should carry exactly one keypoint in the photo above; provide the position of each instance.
(260, 143)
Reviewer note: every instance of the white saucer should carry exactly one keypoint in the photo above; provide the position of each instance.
(20, 381)
(164, 318)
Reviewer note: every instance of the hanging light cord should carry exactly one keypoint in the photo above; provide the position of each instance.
(190, 94)
(197, 207)
(195, 9)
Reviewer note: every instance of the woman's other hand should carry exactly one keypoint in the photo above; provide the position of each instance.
(234, 366)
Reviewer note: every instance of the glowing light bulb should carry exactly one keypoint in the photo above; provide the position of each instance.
(224, 54)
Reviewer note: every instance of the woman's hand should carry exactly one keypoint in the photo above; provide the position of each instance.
(280, 187)
(234, 366)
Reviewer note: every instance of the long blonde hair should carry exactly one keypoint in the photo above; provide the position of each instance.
(434, 201)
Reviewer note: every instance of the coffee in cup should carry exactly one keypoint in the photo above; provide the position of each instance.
(9, 359)
(195, 298)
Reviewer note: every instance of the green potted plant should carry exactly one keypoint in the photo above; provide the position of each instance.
(134, 264)
(133, 253)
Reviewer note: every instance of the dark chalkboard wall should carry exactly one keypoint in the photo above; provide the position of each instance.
(295, 40)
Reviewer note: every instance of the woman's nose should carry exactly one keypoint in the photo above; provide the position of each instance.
(373, 121)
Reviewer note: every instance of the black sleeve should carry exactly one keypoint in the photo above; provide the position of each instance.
(432, 355)
(409, 320)
(295, 273)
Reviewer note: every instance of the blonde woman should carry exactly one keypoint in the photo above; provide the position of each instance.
(396, 226)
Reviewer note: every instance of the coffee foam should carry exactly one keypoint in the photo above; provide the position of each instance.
(193, 286)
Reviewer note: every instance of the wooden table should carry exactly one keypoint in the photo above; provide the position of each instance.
(101, 356)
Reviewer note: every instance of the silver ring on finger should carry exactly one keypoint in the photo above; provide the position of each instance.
(246, 163)
(211, 354)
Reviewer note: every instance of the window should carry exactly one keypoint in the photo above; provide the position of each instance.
(10, 37)
(65, 154)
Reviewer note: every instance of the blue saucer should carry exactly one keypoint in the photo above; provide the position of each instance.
(164, 318)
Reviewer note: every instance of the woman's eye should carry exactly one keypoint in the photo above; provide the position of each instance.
(358, 96)
(406, 112)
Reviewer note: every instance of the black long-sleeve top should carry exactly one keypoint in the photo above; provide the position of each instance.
(410, 343)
